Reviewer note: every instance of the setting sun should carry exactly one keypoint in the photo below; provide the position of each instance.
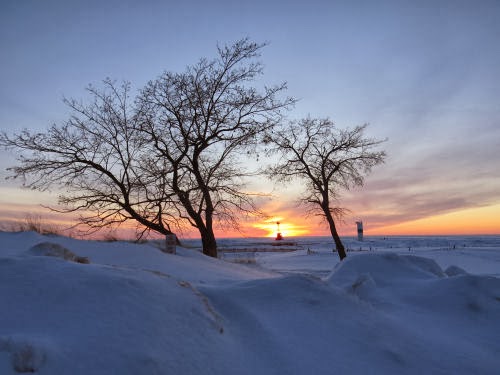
(286, 228)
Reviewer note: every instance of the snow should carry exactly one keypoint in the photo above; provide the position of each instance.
(395, 305)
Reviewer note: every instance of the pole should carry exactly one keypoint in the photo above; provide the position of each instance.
(359, 224)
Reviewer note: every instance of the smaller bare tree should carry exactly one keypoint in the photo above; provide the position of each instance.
(327, 159)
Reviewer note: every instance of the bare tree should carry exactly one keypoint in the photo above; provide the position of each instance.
(170, 156)
(200, 122)
(96, 159)
(327, 159)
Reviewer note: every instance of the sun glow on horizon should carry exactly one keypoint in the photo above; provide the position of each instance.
(15, 207)
(286, 228)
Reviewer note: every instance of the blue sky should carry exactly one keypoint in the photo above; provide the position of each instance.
(423, 74)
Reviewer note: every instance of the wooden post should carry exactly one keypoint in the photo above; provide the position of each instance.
(359, 224)
(170, 241)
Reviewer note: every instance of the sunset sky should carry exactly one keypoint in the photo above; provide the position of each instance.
(423, 74)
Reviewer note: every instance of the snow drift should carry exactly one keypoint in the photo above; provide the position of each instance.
(136, 310)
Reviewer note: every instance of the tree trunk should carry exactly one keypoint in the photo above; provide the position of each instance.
(335, 235)
(209, 243)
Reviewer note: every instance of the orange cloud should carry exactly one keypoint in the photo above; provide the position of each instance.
(482, 220)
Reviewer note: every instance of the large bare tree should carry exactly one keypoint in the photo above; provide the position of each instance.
(96, 160)
(327, 158)
(201, 122)
(171, 155)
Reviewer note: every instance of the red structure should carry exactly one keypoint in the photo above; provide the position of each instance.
(279, 237)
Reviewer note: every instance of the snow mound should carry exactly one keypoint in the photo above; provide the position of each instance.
(452, 311)
(56, 250)
(299, 325)
(465, 297)
(406, 282)
(384, 269)
(104, 320)
(294, 325)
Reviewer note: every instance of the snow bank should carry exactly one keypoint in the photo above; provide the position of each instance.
(452, 315)
(136, 310)
(385, 269)
(101, 319)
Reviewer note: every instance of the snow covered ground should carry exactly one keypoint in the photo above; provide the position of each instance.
(396, 305)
